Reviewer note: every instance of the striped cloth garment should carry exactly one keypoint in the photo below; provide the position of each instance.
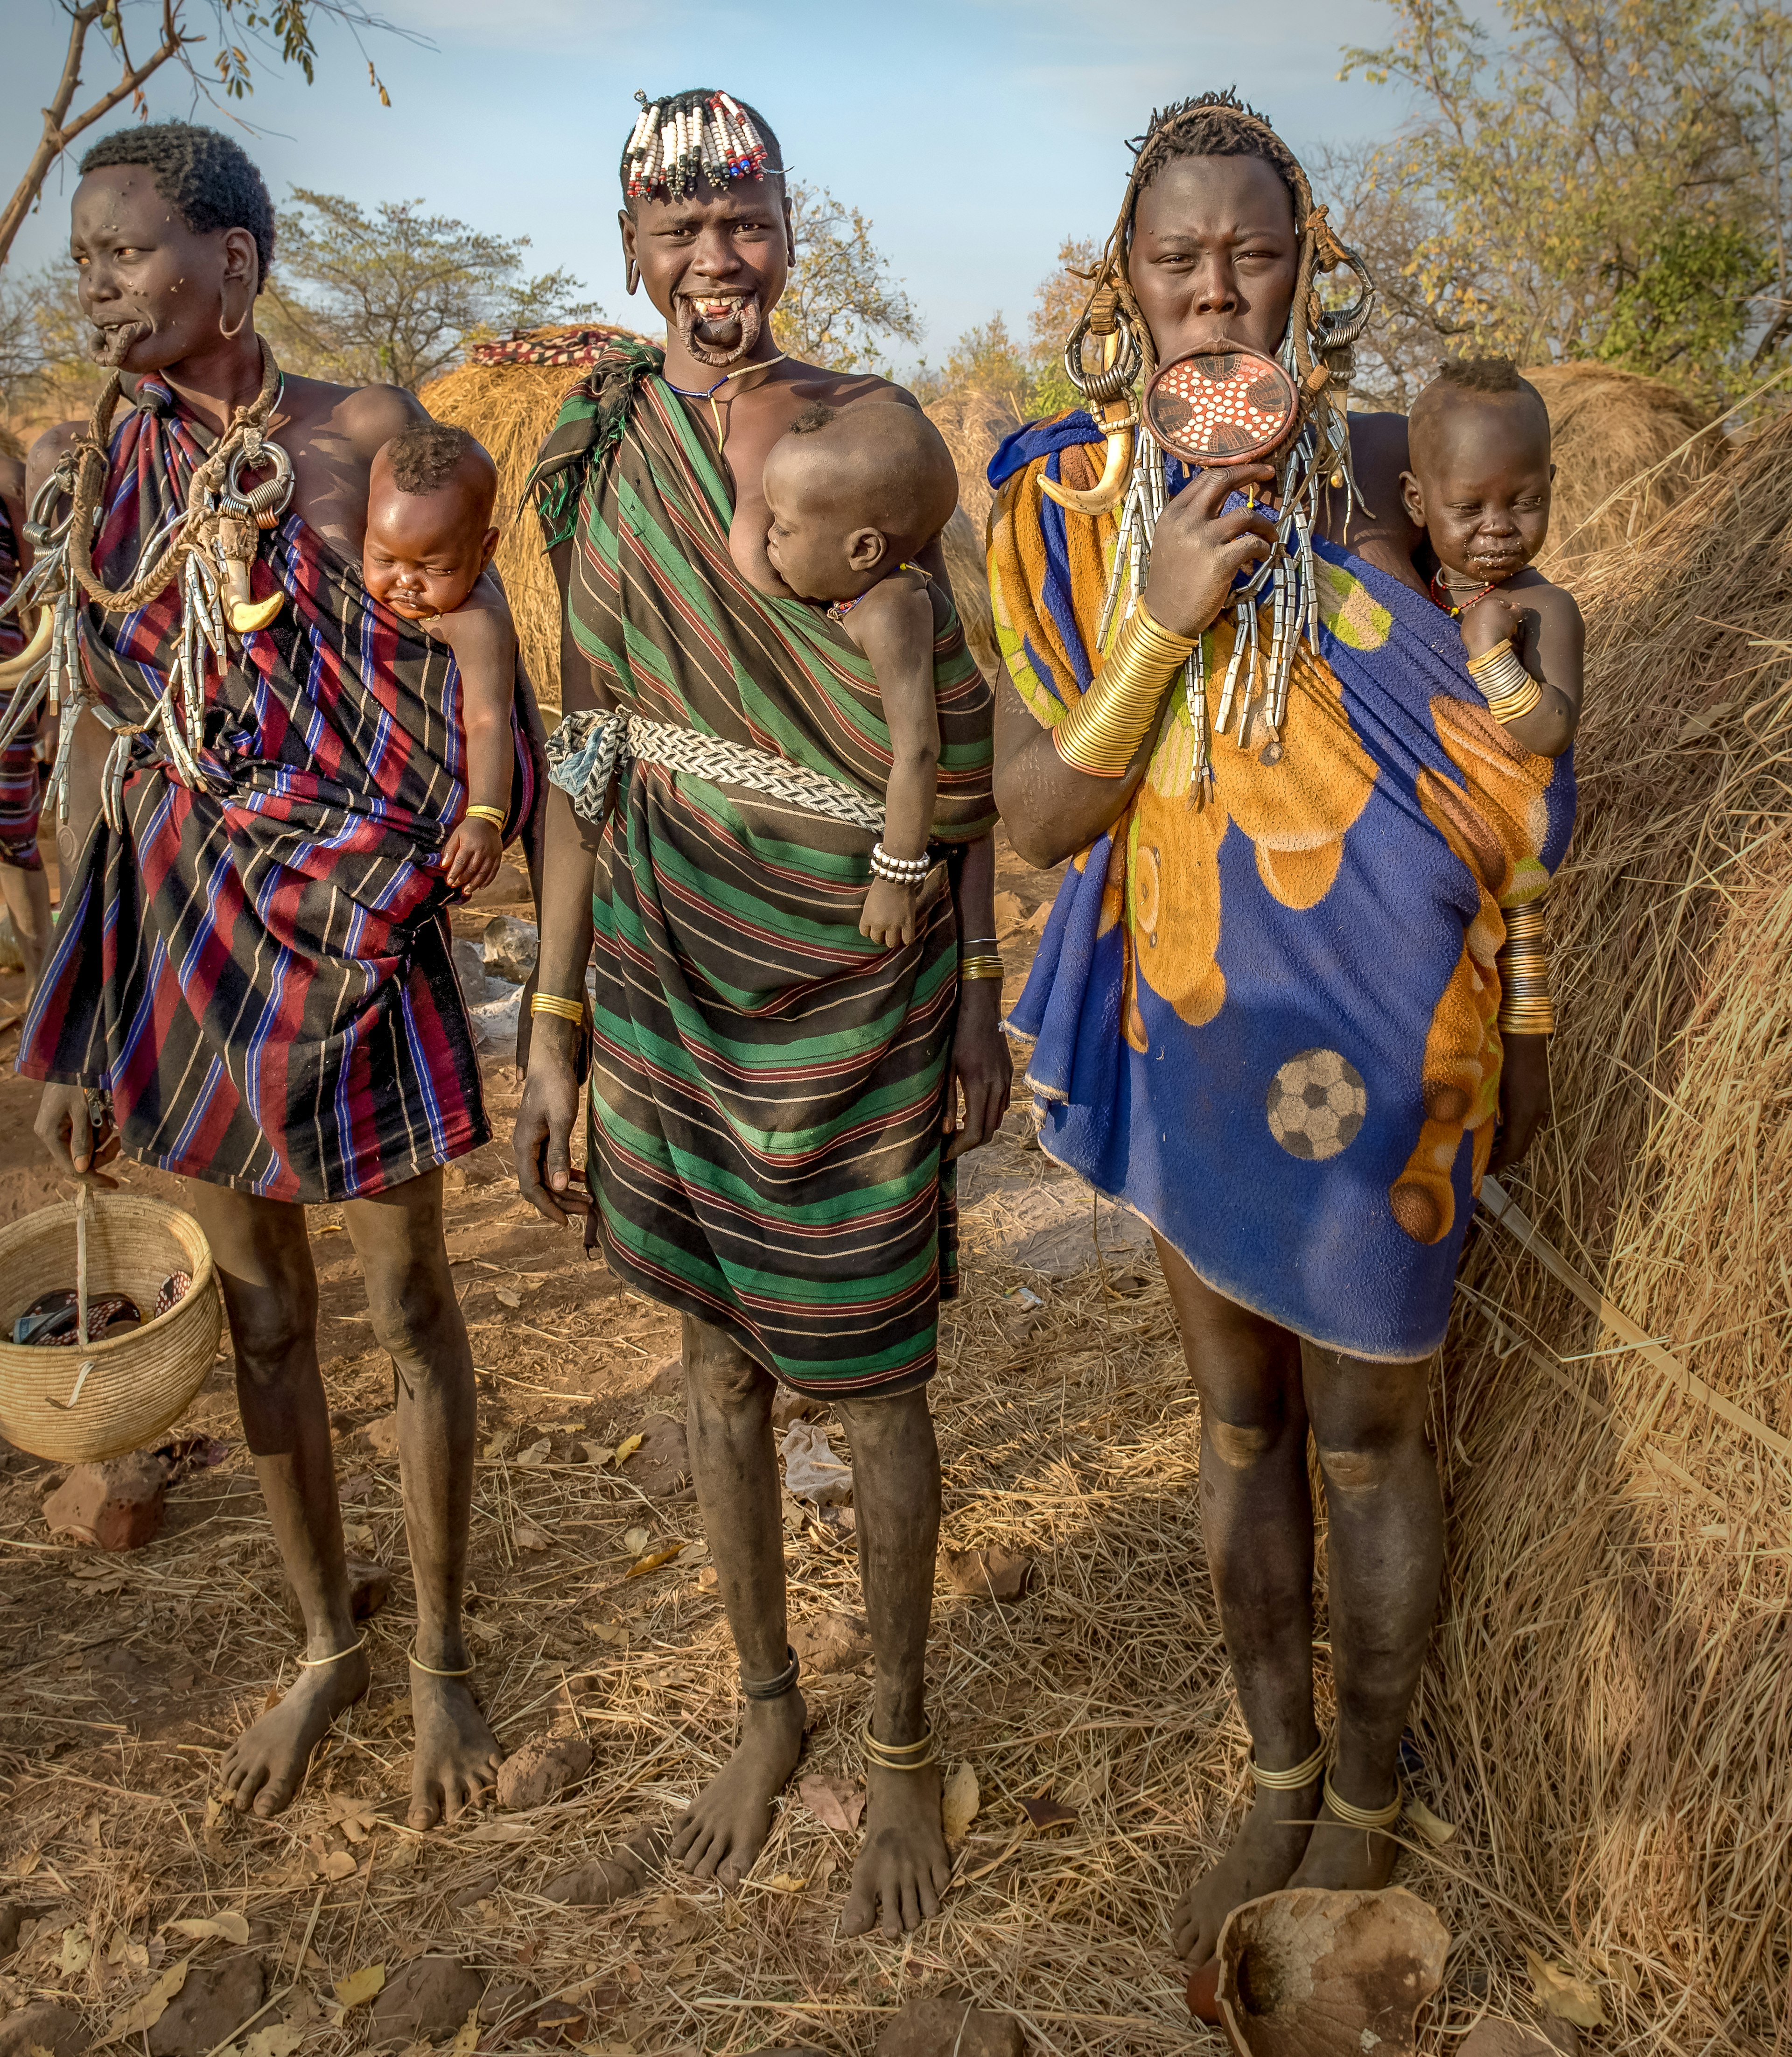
(260, 973)
(768, 1084)
(21, 779)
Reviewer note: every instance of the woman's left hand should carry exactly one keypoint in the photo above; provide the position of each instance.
(1524, 1099)
(980, 1068)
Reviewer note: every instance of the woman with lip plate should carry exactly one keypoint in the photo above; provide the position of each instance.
(1267, 1010)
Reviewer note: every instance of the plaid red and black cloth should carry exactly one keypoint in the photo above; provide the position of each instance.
(22, 778)
(260, 973)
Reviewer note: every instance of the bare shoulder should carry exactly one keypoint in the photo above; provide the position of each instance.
(360, 417)
(12, 477)
(47, 453)
(849, 388)
(1554, 603)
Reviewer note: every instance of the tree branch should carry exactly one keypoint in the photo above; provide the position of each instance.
(59, 131)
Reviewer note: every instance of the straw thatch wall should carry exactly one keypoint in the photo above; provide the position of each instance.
(1626, 449)
(1612, 1687)
(511, 408)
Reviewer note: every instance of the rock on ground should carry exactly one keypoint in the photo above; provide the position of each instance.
(788, 1407)
(470, 964)
(542, 1770)
(831, 1643)
(118, 1505)
(510, 947)
(667, 1382)
(215, 2001)
(381, 1434)
(663, 1463)
(948, 2025)
(46, 2026)
(1496, 2037)
(429, 1996)
(988, 1574)
(627, 1869)
(506, 2000)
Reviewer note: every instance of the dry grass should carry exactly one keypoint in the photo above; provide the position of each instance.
(1612, 1678)
(1627, 449)
(1070, 1431)
(973, 421)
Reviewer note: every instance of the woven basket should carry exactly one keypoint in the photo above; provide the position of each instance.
(137, 1384)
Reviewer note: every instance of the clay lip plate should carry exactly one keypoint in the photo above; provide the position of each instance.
(1221, 407)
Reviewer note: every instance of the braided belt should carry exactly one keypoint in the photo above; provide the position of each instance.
(584, 752)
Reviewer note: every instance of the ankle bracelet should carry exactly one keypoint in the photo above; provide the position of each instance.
(1296, 1776)
(899, 1756)
(335, 1656)
(417, 1664)
(1362, 1817)
(773, 1689)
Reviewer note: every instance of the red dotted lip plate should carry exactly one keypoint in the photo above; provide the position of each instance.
(1221, 407)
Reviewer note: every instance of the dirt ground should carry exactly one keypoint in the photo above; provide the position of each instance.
(1067, 1432)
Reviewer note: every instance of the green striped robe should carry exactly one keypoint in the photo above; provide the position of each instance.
(768, 1084)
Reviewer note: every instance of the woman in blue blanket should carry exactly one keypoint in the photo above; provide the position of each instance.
(1267, 1013)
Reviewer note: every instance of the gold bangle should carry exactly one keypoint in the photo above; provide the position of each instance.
(1509, 689)
(335, 1656)
(1361, 1817)
(1101, 732)
(551, 1003)
(1522, 965)
(899, 1756)
(494, 815)
(417, 1664)
(984, 966)
(1295, 1778)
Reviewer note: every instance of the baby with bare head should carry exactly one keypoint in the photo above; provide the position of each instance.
(1479, 485)
(852, 495)
(430, 540)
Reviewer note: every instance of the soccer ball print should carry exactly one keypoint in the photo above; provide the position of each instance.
(1316, 1104)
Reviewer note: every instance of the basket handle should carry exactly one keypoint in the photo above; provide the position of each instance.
(80, 1281)
(68, 1405)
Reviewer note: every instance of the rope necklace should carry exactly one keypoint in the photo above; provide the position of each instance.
(709, 392)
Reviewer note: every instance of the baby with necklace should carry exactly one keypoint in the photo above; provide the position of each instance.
(851, 495)
(1478, 439)
(430, 539)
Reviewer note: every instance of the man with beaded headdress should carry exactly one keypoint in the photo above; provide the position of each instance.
(1267, 1011)
(772, 1092)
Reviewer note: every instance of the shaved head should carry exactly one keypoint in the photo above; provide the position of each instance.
(881, 464)
(1469, 386)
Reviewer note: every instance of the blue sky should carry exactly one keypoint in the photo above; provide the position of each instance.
(976, 135)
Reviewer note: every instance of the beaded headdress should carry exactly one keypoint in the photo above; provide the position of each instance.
(1316, 353)
(698, 134)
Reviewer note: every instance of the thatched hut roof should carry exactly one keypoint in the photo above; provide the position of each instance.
(1626, 449)
(1612, 1677)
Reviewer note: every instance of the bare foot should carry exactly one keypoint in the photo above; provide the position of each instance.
(1263, 1859)
(725, 1828)
(903, 1862)
(265, 1767)
(1340, 1859)
(457, 1756)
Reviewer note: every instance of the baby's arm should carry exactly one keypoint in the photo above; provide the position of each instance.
(480, 634)
(1550, 638)
(893, 625)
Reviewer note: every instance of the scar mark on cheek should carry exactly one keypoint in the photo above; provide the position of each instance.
(1239, 1448)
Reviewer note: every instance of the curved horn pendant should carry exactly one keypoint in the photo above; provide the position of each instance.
(17, 669)
(1117, 418)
